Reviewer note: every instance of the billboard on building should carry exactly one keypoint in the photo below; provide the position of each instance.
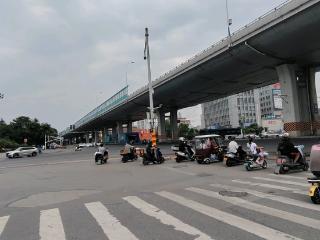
(277, 100)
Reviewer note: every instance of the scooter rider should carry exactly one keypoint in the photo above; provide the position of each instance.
(287, 148)
(182, 144)
(102, 149)
(150, 151)
(252, 146)
(233, 146)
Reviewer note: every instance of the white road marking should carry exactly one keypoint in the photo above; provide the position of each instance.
(265, 185)
(243, 203)
(111, 226)
(165, 218)
(233, 220)
(282, 181)
(51, 227)
(289, 176)
(179, 171)
(3, 223)
(276, 198)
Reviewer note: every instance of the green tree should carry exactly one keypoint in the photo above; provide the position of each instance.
(25, 128)
(254, 129)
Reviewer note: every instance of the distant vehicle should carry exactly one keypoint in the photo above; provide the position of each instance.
(271, 134)
(82, 145)
(22, 152)
(78, 148)
(224, 132)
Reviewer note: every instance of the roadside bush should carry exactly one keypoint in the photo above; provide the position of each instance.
(7, 144)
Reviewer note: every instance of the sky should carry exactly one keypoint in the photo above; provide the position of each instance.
(59, 59)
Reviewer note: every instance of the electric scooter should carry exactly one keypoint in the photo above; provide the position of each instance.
(314, 190)
(285, 164)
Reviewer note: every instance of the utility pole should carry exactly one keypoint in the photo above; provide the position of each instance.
(229, 23)
(147, 57)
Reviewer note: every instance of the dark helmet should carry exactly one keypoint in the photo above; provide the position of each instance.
(101, 144)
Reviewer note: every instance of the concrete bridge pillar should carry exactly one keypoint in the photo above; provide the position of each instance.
(129, 127)
(297, 109)
(174, 123)
(95, 136)
(87, 137)
(161, 126)
(114, 134)
(119, 131)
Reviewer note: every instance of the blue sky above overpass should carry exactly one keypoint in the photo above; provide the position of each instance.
(60, 59)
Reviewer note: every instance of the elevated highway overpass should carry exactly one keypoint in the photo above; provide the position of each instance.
(282, 45)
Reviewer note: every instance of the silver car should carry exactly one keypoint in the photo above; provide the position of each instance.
(22, 152)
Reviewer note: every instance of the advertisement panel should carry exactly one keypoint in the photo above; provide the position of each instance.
(277, 100)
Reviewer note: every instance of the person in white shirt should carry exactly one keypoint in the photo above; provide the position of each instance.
(102, 149)
(252, 146)
(233, 146)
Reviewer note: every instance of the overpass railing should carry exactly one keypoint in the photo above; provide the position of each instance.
(208, 50)
(116, 99)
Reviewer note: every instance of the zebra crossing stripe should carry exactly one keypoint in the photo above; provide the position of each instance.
(291, 177)
(3, 222)
(276, 198)
(51, 227)
(265, 185)
(282, 181)
(110, 225)
(233, 220)
(288, 216)
(165, 218)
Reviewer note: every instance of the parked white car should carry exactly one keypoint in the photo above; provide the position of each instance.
(271, 135)
(22, 152)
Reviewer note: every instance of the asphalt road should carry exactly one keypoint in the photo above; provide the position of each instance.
(62, 194)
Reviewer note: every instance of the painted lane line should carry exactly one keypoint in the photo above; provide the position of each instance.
(165, 218)
(42, 164)
(110, 225)
(230, 219)
(276, 198)
(282, 181)
(291, 177)
(266, 185)
(51, 227)
(179, 171)
(243, 203)
(3, 223)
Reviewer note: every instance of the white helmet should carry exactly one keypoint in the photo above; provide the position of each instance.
(182, 139)
(286, 135)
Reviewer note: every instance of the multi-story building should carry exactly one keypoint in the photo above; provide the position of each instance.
(270, 102)
(242, 109)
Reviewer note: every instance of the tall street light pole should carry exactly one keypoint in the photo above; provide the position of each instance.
(147, 57)
(131, 62)
(229, 23)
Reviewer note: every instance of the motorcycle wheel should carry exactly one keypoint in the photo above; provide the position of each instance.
(206, 161)
(124, 159)
(248, 168)
(199, 161)
(178, 160)
(264, 164)
(228, 163)
(316, 197)
(282, 171)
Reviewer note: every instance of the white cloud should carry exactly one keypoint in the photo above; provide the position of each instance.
(56, 55)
